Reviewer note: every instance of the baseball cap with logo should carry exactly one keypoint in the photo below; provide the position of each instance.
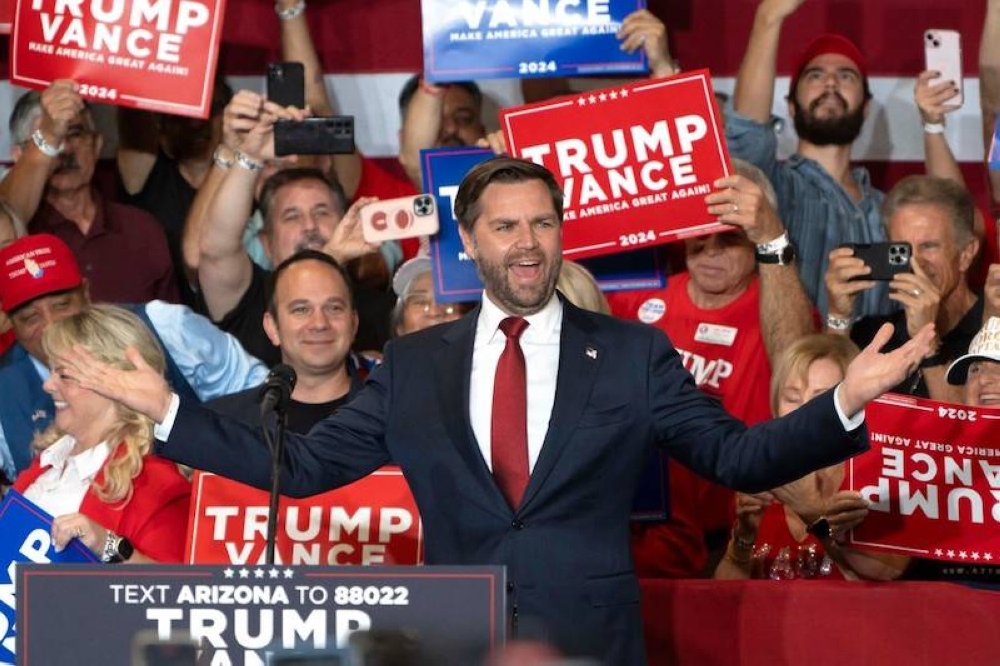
(830, 43)
(33, 266)
(408, 272)
(984, 347)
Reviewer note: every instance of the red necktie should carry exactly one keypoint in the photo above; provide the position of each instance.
(509, 431)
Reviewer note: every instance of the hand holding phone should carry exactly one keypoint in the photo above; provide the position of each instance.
(406, 217)
(943, 53)
(884, 259)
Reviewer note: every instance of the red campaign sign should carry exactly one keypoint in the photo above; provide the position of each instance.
(371, 521)
(158, 55)
(932, 477)
(635, 161)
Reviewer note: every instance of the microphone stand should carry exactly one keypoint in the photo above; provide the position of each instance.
(277, 446)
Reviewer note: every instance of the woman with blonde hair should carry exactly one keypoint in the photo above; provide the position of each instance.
(771, 538)
(579, 286)
(95, 472)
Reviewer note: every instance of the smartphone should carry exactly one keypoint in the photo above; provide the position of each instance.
(286, 84)
(314, 136)
(943, 53)
(885, 259)
(406, 217)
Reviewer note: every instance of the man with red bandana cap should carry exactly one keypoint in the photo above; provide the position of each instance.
(822, 200)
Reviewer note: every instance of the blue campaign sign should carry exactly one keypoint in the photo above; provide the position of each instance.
(454, 274)
(25, 536)
(496, 39)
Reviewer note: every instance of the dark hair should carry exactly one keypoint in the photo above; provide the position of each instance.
(300, 256)
(411, 85)
(294, 175)
(501, 169)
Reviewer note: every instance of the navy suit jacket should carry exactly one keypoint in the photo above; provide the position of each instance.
(620, 391)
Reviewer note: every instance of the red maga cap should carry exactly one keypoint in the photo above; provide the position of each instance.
(33, 266)
(830, 43)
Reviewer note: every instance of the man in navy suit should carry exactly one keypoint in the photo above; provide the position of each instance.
(600, 394)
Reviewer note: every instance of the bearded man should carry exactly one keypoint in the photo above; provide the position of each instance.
(823, 201)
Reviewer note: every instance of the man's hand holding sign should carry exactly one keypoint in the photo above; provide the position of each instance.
(635, 161)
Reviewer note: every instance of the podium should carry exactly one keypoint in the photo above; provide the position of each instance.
(92, 614)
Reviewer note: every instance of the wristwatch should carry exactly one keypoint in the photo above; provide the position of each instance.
(779, 251)
(117, 549)
(820, 528)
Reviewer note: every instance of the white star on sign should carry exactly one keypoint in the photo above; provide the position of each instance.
(975, 555)
(951, 553)
(613, 95)
(244, 573)
(593, 99)
(624, 93)
(939, 552)
(581, 102)
(258, 573)
(289, 573)
(603, 97)
(228, 573)
(962, 554)
(273, 573)
(987, 556)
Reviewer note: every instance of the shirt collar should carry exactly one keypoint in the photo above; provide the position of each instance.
(541, 325)
(48, 219)
(88, 463)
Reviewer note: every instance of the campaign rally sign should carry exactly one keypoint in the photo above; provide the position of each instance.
(216, 615)
(490, 39)
(146, 54)
(932, 477)
(371, 521)
(635, 161)
(26, 536)
(454, 274)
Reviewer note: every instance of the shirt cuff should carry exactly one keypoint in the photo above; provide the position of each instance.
(849, 422)
(161, 431)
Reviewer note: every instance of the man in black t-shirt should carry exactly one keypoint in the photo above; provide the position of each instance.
(312, 319)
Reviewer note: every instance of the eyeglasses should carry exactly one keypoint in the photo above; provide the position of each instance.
(428, 306)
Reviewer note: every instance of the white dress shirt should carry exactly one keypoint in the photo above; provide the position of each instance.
(60, 489)
(540, 344)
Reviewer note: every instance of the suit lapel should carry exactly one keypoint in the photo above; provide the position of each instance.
(579, 360)
(455, 371)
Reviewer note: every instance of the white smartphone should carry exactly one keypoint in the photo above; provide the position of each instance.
(405, 217)
(943, 53)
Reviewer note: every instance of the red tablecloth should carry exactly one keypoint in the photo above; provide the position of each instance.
(817, 623)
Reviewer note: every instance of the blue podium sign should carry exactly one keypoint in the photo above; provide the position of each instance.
(496, 39)
(247, 615)
(454, 274)
(25, 536)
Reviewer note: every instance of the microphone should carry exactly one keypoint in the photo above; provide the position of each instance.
(277, 390)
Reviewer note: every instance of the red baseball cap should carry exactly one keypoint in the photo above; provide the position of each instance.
(33, 266)
(831, 43)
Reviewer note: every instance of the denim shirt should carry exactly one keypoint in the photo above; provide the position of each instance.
(817, 212)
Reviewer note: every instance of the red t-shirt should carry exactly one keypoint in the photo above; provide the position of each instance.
(724, 351)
